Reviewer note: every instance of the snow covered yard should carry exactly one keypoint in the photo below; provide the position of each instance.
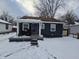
(6, 36)
(50, 48)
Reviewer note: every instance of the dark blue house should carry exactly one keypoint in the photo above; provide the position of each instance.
(52, 29)
(47, 29)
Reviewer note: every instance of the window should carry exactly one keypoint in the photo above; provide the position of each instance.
(6, 26)
(25, 26)
(53, 27)
(43, 26)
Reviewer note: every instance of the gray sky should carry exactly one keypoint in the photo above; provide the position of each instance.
(70, 4)
(13, 8)
(22, 7)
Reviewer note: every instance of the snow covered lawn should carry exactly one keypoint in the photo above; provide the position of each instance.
(50, 48)
(6, 36)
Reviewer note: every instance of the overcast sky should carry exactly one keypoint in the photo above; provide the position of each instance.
(13, 8)
(70, 4)
(22, 7)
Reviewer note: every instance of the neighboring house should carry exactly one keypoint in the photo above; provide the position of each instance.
(74, 29)
(70, 29)
(5, 27)
(30, 27)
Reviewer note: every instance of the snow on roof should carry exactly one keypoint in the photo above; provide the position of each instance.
(76, 23)
(36, 21)
(28, 20)
(2, 21)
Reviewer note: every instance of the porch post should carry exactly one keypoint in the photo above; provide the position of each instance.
(40, 26)
(17, 28)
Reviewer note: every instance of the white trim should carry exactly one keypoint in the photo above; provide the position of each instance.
(17, 28)
(43, 26)
(52, 22)
(40, 27)
(37, 21)
(28, 20)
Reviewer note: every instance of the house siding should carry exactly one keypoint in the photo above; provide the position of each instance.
(3, 28)
(74, 29)
(59, 30)
(30, 30)
(47, 33)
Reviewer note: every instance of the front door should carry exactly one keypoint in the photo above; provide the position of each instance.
(34, 28)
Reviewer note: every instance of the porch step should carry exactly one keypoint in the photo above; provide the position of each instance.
(34, 42)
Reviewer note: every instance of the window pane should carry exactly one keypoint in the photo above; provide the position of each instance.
(25, 26)
(43, 26)
(53, 27)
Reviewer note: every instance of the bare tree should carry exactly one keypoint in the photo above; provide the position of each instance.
(70, 17)
(5, 16)
(48, 7)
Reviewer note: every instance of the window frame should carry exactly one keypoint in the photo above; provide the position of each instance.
(52, 27)
(43, 26)
(24, 26)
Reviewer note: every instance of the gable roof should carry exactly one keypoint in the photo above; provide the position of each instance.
(43, 18)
